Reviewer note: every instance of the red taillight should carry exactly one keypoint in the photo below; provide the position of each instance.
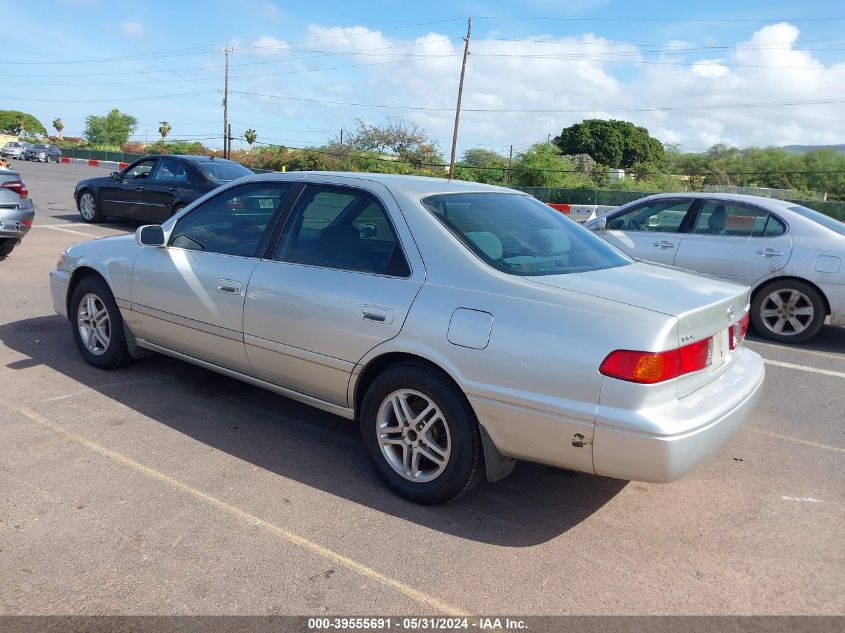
(737, 332)
(18, 186)
(653, 367)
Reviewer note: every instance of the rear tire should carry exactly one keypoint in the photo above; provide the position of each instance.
(89, 208)
(97, 324)
(421, 434)
(788, 311)
(7, 245)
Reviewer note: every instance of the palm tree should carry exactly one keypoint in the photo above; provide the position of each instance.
(164, 129)
(250, 137)
(57, 123)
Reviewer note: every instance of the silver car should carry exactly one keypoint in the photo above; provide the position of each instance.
(790, 256)
(16, 210)
(463, 326)
(43, 152)
(14, 149)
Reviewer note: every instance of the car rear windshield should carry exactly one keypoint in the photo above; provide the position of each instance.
(820, 218)
(521, 236)
(223, 172)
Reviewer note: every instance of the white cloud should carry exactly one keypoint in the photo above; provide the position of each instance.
(268, 45)
(584, 73)
(131, 28)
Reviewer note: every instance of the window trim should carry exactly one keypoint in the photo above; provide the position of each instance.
(757, 207)
(268, 231)
(178, 161)
(138, 162)
(276, 238)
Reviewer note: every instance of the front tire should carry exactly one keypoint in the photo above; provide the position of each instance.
(97, 324)
(89, 208)
(788, 311)
(421, 434)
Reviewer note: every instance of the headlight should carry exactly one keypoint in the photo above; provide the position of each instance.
(60, 262)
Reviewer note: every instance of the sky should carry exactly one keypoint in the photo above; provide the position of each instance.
(694, 73)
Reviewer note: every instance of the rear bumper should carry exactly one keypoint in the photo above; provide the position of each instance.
(59, 282)
(660, 457)
(16, 222)
(835, 294)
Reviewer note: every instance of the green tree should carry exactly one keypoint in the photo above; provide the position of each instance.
(404, 139)
(164, 129)
(543, 165)
(58, 125)
(250, 137)
(612, 143)
(19, 123)
(481, 165)
(112, 129)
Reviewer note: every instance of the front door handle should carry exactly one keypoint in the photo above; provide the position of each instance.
(664, 244)
(229, 286)
(171, 188)
(769, 252)
(139, 187)
(378, 314)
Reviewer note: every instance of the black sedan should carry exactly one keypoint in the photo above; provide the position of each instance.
(154, 187)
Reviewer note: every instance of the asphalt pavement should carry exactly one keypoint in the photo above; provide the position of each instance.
(163, 488)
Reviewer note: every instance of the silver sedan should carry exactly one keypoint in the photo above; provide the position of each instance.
(462, 326)
(790, 256)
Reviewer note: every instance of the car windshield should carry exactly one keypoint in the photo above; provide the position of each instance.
(223, 172)
(39, 146)
(820, 218)
(521, 236)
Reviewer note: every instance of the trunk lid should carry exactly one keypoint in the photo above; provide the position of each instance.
(705, 307)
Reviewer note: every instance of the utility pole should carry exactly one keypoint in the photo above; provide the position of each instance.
(460, 94)
(229, 142)
(510, 162)
(341, 137)
(226, 50)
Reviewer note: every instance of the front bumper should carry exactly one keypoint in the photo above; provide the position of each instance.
(710, 416)
(15, 222)
(59, 282)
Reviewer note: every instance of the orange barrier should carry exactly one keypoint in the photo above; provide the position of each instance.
(563, 208)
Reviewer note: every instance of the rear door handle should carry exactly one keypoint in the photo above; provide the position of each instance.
(229, 286)
(769, 252)
(664, 244)
(140, 187)
(377, 314)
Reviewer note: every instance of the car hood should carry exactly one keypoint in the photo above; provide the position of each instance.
(657, 288)
(94, 182)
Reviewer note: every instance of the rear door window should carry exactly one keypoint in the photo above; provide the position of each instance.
(657, 216)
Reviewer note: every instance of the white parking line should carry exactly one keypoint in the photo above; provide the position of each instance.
(796, 349)
(814, 370)
(805, 499)
(797, 440)
(63, 229)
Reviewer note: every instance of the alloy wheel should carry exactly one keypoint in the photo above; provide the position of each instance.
(787, 312)
(92, 319)
(87, 206)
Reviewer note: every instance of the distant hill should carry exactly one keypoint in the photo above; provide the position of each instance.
(803, 149)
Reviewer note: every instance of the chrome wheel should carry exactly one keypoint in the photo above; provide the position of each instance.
(92, 319)
(87, 206)
(413, 435)
(787, 312)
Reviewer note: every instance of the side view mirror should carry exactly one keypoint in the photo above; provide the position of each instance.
(368, 231)
(150, 235)
(597, 224)
(116, 175)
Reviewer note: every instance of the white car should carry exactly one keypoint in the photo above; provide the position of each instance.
(447, 318)
(790, 255)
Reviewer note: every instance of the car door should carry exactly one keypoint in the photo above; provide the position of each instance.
(156, 195)
(651, 231)
(188, 296)
(736, 241)
(119, 195)
(340, 281)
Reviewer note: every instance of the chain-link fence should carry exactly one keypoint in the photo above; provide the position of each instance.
(617, 198)
(95, 154)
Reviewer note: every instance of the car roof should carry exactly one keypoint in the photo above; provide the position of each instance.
(193, 158)
(713, 195)
(412, 185)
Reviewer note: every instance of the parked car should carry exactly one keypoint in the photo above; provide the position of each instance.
(43, 152)
(14, 149)
(16, 210)
(790, 255)
(154, 187)
(462, 325)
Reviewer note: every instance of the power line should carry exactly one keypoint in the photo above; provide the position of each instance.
(547, 110)
(114, 99)
(684, 20)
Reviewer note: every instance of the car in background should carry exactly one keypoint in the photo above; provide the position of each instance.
(790, 256)
(461, 325)
(14, 149)
(16, 210)
(43, 152)
(153, 188)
